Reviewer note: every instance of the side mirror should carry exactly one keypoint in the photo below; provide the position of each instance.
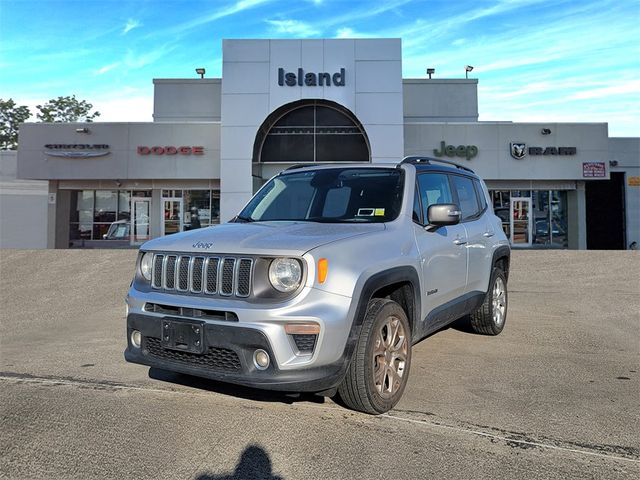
(443, 214)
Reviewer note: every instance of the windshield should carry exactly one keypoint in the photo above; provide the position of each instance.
(329, 195)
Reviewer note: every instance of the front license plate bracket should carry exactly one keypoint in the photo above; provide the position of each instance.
(183, 336)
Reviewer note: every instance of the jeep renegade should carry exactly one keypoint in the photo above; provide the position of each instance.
(324, 281)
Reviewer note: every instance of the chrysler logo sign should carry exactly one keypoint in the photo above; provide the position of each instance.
(77, 150)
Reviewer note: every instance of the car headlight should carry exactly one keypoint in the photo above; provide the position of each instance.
(146, 265)
(285, 274)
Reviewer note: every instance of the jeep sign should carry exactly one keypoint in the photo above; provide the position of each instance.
(462, 151)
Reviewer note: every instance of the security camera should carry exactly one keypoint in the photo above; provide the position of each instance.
(546, 131)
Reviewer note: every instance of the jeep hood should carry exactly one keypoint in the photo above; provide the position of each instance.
(260, 238)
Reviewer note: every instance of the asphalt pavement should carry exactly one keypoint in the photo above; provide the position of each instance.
(556, 395)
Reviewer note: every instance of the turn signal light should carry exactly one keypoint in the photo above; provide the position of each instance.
(323, 269)
(308, 328)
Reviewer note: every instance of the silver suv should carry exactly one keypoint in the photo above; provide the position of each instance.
(324, 281)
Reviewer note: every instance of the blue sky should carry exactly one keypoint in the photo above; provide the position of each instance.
(535, 60)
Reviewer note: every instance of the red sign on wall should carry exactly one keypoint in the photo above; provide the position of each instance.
(170, 150)
(593, 169)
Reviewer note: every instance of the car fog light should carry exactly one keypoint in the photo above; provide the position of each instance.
(136, 338)
(261, 359)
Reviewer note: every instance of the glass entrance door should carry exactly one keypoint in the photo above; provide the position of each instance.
(172, 221)
(520, 221)
(140, 228)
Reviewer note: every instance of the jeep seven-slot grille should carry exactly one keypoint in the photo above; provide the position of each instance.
(209, 275)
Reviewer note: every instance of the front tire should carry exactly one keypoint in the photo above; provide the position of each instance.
(490, 318)
(377, 375)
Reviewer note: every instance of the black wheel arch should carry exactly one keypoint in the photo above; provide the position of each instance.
(502, 259)
(400, 284)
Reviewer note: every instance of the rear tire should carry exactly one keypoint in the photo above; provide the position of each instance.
(377, 375)
(490, 318)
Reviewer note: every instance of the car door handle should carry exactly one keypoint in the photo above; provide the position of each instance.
(488, 234)
(459, 241)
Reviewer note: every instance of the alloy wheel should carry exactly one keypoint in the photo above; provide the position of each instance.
(389, 356)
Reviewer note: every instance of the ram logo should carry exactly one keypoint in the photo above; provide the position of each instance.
(518, 150)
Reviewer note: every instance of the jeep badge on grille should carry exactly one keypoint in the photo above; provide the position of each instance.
(202, 245)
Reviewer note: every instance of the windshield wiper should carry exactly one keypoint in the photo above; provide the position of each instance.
(240, 218)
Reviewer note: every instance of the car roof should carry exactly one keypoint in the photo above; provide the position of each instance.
(421, 164)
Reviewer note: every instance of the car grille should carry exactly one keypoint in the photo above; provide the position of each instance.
(207, 275)
(213, 358)
(305, 342)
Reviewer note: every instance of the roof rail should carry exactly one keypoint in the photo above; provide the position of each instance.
(419, 159)
(299, 165)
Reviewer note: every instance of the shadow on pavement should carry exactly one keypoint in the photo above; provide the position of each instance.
(254, 464)
(230, 389)
(463, 324)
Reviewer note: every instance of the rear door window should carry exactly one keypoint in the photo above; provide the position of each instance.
(480, 192)
(467, 198)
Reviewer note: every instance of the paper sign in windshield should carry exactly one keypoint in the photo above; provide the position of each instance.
(371, 212)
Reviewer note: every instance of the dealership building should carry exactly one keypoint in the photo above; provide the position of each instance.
(214, 141)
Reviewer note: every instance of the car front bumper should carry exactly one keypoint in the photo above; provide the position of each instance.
(229, 347)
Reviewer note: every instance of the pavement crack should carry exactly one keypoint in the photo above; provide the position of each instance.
(519, 439)
(71, 381)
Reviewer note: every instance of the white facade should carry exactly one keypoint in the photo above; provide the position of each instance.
(205, 153)
(625, 158)
(23, 207)
(251, 91)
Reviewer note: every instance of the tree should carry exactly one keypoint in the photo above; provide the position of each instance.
(66, 109)
(11, 116)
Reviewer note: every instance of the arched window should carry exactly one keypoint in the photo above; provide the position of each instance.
(311, 131)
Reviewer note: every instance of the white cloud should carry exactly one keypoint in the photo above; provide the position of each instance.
(294, 27)
(138, 60)
(107, 68)
(621, 88)
(226, 11)
(130, 25)
(347, 32)
(116, 108)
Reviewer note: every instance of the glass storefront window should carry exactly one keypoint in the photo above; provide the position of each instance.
(85, 206)
(215, 207)
(105, 215)
(171, 193)
(197, 209)
(124, 205)
(101, 215)
(548, 215)
(315, 133)
(559, 220)
(501, 207)
(106, 204)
